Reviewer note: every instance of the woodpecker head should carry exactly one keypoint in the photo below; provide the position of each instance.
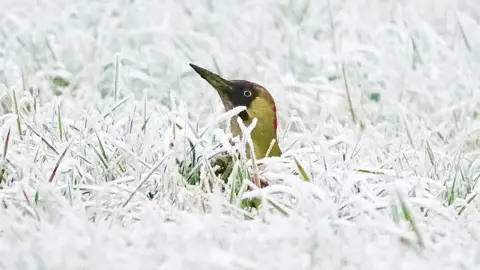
(259, 103)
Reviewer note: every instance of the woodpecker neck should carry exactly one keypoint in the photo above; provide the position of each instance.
(265, 130)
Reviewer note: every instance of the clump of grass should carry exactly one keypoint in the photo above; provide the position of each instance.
(3, 164)
(408, 217)
(15, 106)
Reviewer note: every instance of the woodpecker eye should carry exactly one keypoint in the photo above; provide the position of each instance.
(247, 93)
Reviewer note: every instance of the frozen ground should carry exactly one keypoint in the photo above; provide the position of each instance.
(392, 176)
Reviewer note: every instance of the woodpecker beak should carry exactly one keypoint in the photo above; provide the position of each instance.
(223, 86)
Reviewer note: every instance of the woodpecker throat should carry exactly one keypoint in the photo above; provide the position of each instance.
(259, 103)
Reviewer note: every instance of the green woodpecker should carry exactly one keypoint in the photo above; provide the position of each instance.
(259, 104)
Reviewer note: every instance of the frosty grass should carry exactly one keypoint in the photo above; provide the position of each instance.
(378, 104)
